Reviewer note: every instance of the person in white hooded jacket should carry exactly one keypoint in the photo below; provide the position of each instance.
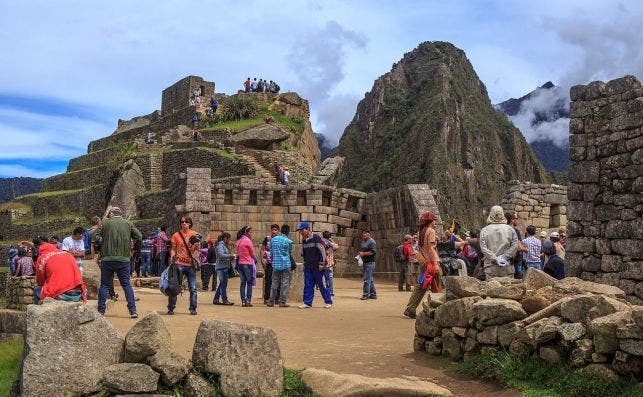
(498, 243)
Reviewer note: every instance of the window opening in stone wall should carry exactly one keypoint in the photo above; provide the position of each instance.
(326, 197)
(351, 204)
(252, 198)
(301, 197)
(227, 197)
(341, 231)
(554, 216)
(276, 198)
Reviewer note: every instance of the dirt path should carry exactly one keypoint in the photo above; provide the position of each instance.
(369, 338)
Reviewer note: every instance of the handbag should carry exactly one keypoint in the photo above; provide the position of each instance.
(196, 265)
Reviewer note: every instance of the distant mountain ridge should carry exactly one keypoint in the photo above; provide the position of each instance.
(547, 110)
(430, 120)
(18, 186)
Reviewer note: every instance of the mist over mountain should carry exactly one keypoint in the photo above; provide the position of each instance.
(543, 118)
(325, 146)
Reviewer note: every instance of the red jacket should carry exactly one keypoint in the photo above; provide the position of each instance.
(408, 251)
(57, 272)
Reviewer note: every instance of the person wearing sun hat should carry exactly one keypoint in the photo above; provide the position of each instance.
(498, 243)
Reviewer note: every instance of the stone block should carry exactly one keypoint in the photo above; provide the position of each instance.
(301, 209)
(340, 221)
(612, 263)
(311, 217)
(355, 216)
(628, 247)
(321, 209)
(581, 244)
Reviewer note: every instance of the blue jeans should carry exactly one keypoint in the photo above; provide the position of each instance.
(146, 264)
(222, 288)
(281, 283)
(191, 275)
(314, 277)
(369, 285)
(122, 270)
(162, 262)
(536, 265)
(328, 279)
(245, 288)
(67, 297)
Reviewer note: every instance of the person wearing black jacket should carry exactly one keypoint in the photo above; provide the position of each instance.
(207, 270)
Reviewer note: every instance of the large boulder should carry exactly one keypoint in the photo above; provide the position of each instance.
(130, 378)
(601, 370)
(541, 331)
(426, 326)
(130, 183)
(494, 311)
(632, 346)
(463, 286)
(584, 308)
(571, 331)
(456, 313)
(172, 366)
(221, 346)
(325, 383)
(67, 347)
(604, 331)
(451, 344)
(91, 278)
(145, 338)
(536, 279)
(261, 137)
(573, 285)
(533, 304)
(511, 291)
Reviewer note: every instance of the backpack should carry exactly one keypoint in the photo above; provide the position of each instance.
(170, 282)
(469, 252)
(398, 254)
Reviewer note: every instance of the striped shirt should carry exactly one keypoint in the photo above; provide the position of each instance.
(533, 246)
(281, 247)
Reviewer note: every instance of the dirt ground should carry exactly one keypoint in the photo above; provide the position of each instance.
(370, 338)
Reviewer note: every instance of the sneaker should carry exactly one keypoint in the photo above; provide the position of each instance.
(170, 312)
(328, 306)
(248, 304)
(193, 312)
(304, 306)
(243, 303)
(133, 315)
(270, 304)
(284, 305)
(216, 303)
(228, 303)
(410, 313)
(372, 297)
(364, 298)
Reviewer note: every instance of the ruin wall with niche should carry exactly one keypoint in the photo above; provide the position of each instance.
(605, 227)
(539, 204)
(177, 96)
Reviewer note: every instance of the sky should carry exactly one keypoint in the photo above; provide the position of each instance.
(70, 69)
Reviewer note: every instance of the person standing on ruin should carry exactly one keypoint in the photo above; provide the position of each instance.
(427, 257)
(498, 243)
(114, 236)
(367, 252)
(314, 255)
(185, 249)
(246, 85)
(533, 247)
(160, 249)
(266, 261)
(281, 249)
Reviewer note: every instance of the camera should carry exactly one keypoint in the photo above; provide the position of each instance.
(196, 239)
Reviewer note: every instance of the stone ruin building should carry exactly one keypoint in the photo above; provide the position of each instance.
(606, 184)
(539, 204)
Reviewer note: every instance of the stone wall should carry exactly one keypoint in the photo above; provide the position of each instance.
(391, 214)
(291, 160)
(153, 204)
(539, 204)
(606, 181)
(177, 96)
(584, 324)
(91, 201)
(19, 292)
(92, 158)
(78, 179)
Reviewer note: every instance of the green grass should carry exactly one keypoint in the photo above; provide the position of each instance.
(235, 126)
(12, 205)
(220, 152)
(536, 378)
(49, 194)
(10, 357)
(294, 386)
(69, 216)
(293, 124)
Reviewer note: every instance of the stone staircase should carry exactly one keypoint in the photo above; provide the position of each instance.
(262, 175)
(156, 177)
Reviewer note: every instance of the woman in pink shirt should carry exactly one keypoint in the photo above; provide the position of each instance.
(246, 264)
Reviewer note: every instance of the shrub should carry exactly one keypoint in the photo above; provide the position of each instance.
(239, 107)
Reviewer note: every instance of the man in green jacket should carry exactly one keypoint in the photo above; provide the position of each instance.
(115, 236)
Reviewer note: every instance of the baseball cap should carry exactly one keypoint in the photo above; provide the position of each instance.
(303, 225)
(548, 248)
(554, 235)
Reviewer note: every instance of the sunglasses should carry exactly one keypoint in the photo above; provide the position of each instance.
(184, 221)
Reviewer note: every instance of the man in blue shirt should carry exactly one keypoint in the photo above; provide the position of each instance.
(280, 250)
(314, 255)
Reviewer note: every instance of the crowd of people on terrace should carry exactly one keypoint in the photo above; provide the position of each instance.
(260, 86)
(424, 260)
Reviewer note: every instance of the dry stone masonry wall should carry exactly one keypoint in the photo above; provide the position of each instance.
(606, 185)
(539, 204)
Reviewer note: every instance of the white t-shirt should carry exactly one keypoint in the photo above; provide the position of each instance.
(70, 244)
(286, 177)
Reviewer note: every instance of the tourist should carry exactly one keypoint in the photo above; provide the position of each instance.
(314, 255)
(214, 104)
(11, 260)
(279, 172)
(247, 263)
(95, 253)
(405, 264)
(135, 259)
(367, 252)
(222, 265)
(542, 236)
(518, 261)
(498, 243)
(266, 261)
(427, 257)
(57, 275)
(532, 248)
(562, 231)
(253, 85)
(246, 85)
(160, 250)
(53, 240)
(415, 266)
(146, 256)
(331, 246)
(560, 250)
(87, 235)
(471, 252)
(184, 251)
(208, 265)
(24, 264)
(554, 264)
(115, 235)
(75, 246)
(281, 250)
(285, 176)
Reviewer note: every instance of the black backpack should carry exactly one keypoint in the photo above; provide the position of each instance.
(174, 281)
(398, 254)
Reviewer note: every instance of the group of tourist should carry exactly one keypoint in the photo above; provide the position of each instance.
(260, 86)
(282, 174)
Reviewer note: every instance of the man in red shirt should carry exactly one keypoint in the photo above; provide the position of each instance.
(58, 275)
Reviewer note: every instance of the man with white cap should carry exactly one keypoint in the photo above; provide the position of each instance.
(498, 243)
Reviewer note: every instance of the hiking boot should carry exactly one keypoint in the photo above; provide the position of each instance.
(304, 306)
(409, 312)
(270, 304)
(284, 305)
